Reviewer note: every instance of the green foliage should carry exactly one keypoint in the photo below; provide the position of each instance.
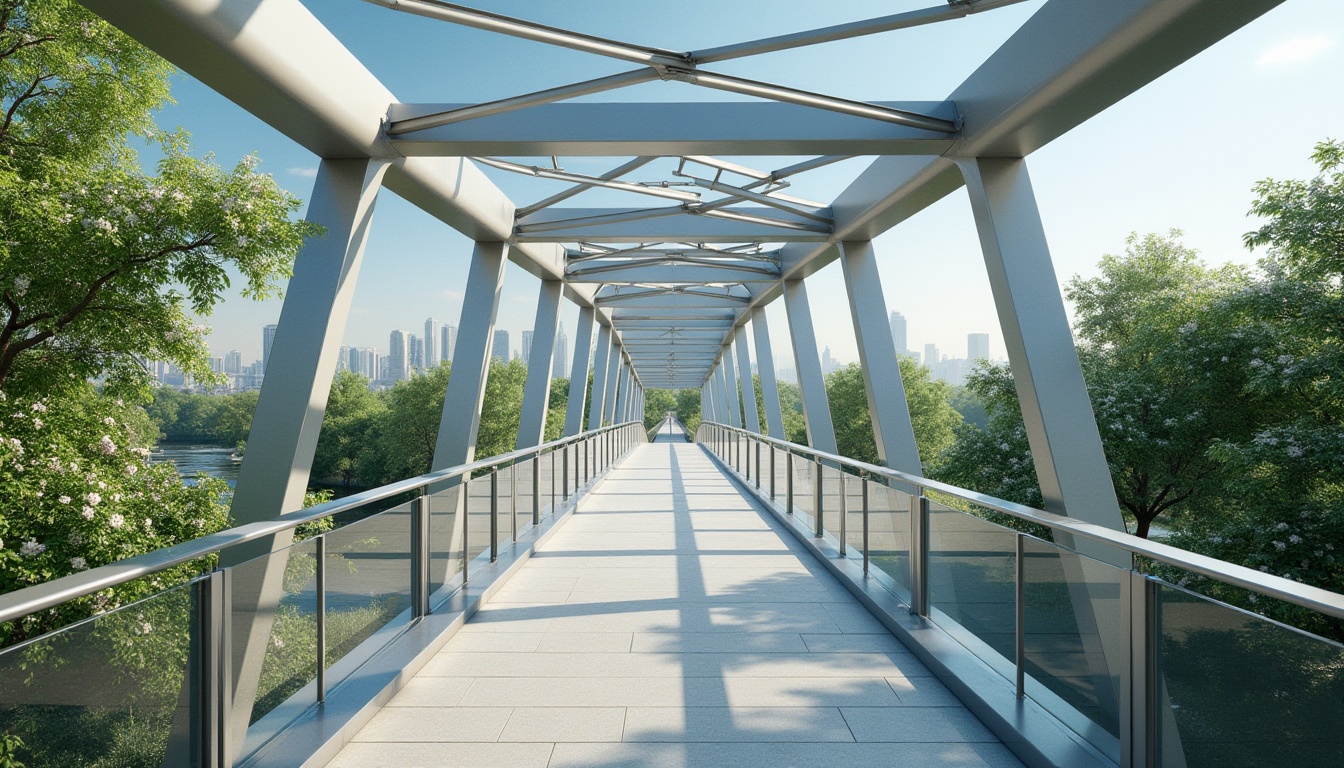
(791, 409)
(934, 419)
(688, 409)
(502, 408)
(80, 493)
(348, 425)
(657, 404)
(557, 410)
(9, 751)
(182, 416)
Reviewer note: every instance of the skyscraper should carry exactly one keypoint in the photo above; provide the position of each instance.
(527, 347)
(433, 347)
(396, 363)
(500, 350)
(415, 353)
(447, 341)
(561, 357)
(931, 355)
(977, 346)
(233, 362)
(827, 362)
(267, 338)
(898, 333)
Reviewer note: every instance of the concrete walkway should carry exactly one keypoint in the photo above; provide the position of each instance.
(670, 623)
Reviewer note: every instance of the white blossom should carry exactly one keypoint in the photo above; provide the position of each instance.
(94, 499)
(116, 521)
(39, 407)
(78, 563)
(1294, 539)
(131, 469)
(106, 445)
(31, 548)
(64, 499)
(1294, 452)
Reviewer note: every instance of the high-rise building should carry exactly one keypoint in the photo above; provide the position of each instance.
(364, 361)
(977, 346)
(447, 341)
(397, 363)
(343, 359)
(500, 349)
(561, 357)
(931, 355)
(827, 362)
(233, 362)
(898, 333)
(267, 338)
(216, 365)
(433, 347)
(527, 347)
(415, 353)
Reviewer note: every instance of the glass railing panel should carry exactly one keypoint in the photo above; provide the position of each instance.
(1074, 639)
(368, 572)
(290, 659)
(804, 482)
(507, 517)
(1244, 691)
(522, 472)
(445, 537)
(973, 576)
(854, 515)
(889, 535)
(781, 476)
(830, 500)
(102, 691)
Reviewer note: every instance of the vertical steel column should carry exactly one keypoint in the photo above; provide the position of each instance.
(1145, 715)
(919, 554)
(578, 373)
(772, 472)
(494, 514)
(887, 406)
(817, 497)
(844, 515)
(788, 482)
(564, 474)
(865, 526)
(1020, 603)
(746, 383)
(758, 464)
(537, 389)
(420, 555)
(320, 588)
(513, 502)
(613, 366)
(466, 528)
(212, 677)
(604, 350)
(816, 409)
(536, 490)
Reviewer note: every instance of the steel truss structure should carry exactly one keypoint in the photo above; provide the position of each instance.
(671, 281)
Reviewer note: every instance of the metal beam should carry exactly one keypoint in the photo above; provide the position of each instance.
(537, 389)
(746, 384)
(604, 350)
(674, 273)
(578, 375)
(667, 129)
(627, 225)
(765, 362)
(806, 358)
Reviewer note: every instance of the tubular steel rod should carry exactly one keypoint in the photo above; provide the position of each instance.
(865, 526)
(846, 31)
(560, 197)
(844, 513)
(529, 30)
(513, 503)
(593, 181)
(494, 515)
(536, 490)
(788, 482)
(466, 529)
(816, 498)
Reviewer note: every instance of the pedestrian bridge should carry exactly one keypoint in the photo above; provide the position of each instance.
(621, 598)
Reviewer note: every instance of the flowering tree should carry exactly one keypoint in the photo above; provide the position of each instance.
(80, 492)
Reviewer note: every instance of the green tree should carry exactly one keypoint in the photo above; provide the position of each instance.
(408, 428)
(502, 408)
(347, 426)
(557, 409)
(657, 403)
(932, 416)
(688, 409)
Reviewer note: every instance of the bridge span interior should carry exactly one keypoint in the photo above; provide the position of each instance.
(717, 599)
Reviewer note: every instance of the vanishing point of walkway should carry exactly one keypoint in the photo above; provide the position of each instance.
(671, 622)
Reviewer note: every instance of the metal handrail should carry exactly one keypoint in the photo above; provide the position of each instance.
(29, 600)
(1305, 595)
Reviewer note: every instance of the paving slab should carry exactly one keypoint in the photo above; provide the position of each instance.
(671, 622)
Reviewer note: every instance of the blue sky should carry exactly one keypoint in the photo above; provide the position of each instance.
(1182, 153)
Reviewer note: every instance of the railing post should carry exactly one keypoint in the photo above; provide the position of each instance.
(513, 502)
(420, 556)
(466, 527)
(1020, 603)
(817, 497)
(919, 554)
(213, 673)
(788, 482)
(320, 551)
(844, 513)
(536, 490)
(758, 464)
(494, 514)
(1140, 736)
(865, 526)
(564, 474)
(772, 472)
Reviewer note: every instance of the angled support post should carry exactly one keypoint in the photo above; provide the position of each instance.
(765, 362)
(537, 390)
(613, 368)
(274, 475)
(599, 377)
(721, 393)
(730, 381)
(887, 406)
(746, 383)
(578, 373)
(816, 408)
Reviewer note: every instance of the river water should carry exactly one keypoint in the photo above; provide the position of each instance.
(213, 460)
